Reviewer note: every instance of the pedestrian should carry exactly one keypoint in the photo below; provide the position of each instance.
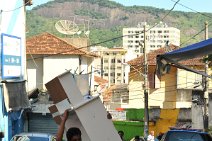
(137, 138)
(1, 135)
(159, 137)
(73, 133)
(151, 136)
(121, 134)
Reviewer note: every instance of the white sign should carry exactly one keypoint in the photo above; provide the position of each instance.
(11, 56)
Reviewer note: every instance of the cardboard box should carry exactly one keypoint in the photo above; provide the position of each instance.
(55, 114)
(87, 114)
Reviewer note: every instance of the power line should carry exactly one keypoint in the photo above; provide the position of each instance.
(195, 35)
(192, 9)
(115, 38)
(15, 8)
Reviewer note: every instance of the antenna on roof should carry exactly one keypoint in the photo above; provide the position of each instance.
(66, 27)
(73, 27)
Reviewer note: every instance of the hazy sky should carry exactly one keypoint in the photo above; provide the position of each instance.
(198, 5)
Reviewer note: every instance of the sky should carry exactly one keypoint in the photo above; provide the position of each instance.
(197, 5)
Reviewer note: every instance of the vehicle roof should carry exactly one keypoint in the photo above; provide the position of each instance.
(35, 134)
(190, 131)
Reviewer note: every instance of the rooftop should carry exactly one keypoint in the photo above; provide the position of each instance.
(47, 43)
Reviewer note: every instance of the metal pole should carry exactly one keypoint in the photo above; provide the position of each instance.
(146, 111)
(206, 94)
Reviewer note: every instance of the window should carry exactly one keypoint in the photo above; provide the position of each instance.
(159, 31)
(119, 68)
(166, 31)
(113, 60)
(118, 74)
(95, 87)
(112, 74)
(106, 53)
(106, 68)
(106, 74)
(118, 60)
(112, 67)
(105, 61)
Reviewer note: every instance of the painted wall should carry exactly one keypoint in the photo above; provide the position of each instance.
(34, 72)
(12, 22)
(167, 96)
(40, 71)
(55, 65)
(168, 118)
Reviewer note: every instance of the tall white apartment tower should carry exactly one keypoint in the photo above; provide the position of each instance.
(157, 37)
(111, 62)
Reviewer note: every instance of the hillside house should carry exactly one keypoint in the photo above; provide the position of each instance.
(173, 90)
(49, 56)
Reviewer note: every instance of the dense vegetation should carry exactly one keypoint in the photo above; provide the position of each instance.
(107, 18)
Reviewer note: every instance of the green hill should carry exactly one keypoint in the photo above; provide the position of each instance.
(106, 19)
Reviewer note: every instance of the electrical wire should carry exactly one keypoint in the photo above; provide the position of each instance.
(112, 39)
(15, 8)
(195, 35)
(192, 9)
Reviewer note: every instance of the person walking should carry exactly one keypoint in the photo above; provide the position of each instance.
(151, 136)
(73, 133)
(121, 134)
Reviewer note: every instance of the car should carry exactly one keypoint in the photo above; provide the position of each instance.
(186, 135)
(33, 137)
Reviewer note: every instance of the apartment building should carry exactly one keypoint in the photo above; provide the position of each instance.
(157, 37)
(111, 63)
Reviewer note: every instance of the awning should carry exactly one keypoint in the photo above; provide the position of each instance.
(192, 51)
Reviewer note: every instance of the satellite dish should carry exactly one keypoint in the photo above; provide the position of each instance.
(66, 27)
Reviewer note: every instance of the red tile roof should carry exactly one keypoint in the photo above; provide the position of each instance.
(47, 43)
(100, 80)
(151, 58)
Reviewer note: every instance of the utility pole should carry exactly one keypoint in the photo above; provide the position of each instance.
(206, 95)
(146, 111)
(102, 63)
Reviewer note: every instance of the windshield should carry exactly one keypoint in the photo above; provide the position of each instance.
(187, 136)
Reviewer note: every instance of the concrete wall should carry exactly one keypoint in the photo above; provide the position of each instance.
(34, 72)
(168, 118)
(12, 22)
(55, 65)
(42, 70)
(164, 97)
(173, 90)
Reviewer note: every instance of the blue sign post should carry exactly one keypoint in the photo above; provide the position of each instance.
(11, 56)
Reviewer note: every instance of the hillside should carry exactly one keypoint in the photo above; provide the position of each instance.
(106, 19)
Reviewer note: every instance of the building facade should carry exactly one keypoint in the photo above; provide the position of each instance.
(157, 37)
(48, 56)
(111, 64)
(13, 63)
(176, 89)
